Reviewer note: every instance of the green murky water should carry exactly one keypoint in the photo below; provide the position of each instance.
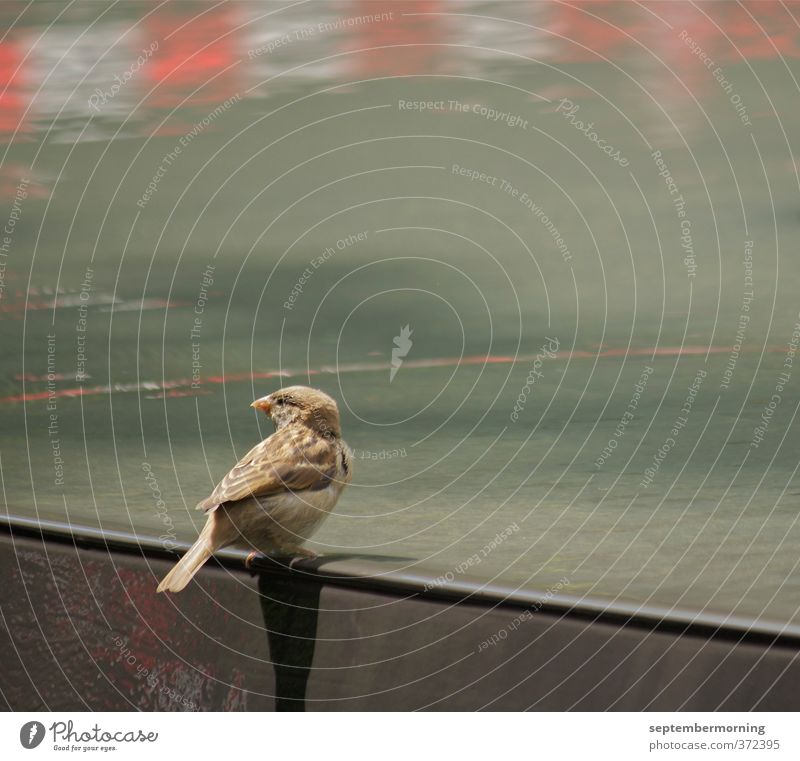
(239, 208)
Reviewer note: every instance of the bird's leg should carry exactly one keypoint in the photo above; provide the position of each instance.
(299, 552)
(294, 549)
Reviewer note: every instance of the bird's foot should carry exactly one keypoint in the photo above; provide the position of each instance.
(300, 553)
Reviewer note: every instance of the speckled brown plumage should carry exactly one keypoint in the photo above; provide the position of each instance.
(279, 493)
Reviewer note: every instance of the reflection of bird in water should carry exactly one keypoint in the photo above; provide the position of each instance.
(279, 493)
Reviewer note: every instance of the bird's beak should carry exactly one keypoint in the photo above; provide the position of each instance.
(262, 404)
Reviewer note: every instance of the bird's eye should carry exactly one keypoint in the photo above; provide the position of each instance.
(279, 401)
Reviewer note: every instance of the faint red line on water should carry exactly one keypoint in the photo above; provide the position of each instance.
(177, 393)
(31, 378)
(356, 367)
(666, 351)
(105, 304)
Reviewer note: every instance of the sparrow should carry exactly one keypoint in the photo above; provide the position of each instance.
(280, 492)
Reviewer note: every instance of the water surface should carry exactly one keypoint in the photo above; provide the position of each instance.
(569, 207)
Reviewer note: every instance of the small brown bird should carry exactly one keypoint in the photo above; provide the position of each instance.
(279, 493)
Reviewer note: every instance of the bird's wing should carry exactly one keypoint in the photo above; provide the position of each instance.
(284, 462)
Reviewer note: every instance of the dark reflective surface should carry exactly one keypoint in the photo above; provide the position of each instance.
(161, 232)
(86, 632)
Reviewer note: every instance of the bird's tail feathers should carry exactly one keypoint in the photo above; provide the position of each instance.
(189, 564)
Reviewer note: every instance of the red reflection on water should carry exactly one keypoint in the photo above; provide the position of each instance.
(730, 32)
(196, 50)
(14, 98)
(727, 32)
(591, 30)
(756, 30)
(380, 38)
(202, 57)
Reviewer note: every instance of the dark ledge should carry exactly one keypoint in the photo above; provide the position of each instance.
(379, 574)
